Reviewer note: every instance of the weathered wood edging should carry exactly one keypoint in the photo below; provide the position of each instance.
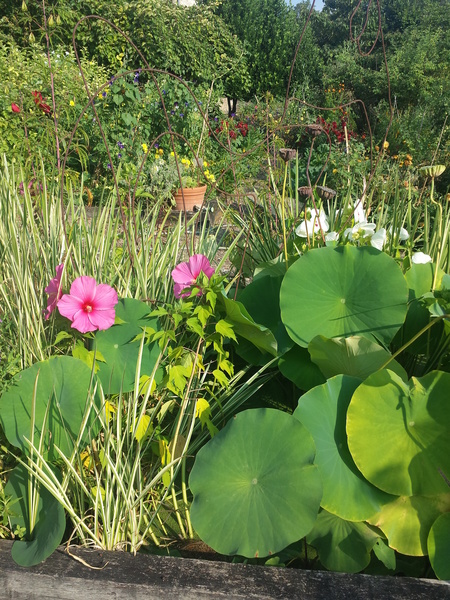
(121, 575)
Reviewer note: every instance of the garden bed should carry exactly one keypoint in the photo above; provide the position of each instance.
(119, 575)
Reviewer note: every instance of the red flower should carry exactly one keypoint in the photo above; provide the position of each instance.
(15, 108)
(37, 97)
(38, 100)
(233, 135)
(45, 107)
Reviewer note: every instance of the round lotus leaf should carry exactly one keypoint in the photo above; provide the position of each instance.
(61, 387)
(343, 291)
(297, 366)
(256, 489)
(120, 346)
(355, 356)
(407, 520)
(439, 546)
(399, 433)
(50, 525)
(342, 545)
(323, 411)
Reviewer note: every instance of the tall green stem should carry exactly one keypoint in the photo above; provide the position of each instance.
(283, 215)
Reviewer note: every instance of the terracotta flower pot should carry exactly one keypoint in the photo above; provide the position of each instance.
(192, 197)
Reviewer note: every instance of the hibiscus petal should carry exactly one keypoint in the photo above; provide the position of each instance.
(82, 322)
(199, 263)
(68, 305)
(178, 288)
(105, 297)
(84, 288)
(182, 274)
(102, 319)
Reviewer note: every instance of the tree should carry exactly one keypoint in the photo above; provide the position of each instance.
(268, 29)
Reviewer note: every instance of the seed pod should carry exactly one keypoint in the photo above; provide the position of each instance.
(433, 170)
(51, 21)
(24, 6)
(325, 193)
(31, 38)
(304, 191)
(287, 154)
(314, 129)
(58, 20)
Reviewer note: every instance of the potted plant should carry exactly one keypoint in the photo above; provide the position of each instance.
(181, 179)
(192, 191)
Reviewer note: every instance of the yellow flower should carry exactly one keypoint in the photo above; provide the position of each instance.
(72, 103)
(160, 151)
(205, 164)
(385, 145)
(145, 148)
(172, 154)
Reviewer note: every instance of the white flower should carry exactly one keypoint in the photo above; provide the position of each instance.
(379, 239)
(420, 258)
(313, 225)
(360, 231)
(331, 238)
(359, 213)
(403, 235)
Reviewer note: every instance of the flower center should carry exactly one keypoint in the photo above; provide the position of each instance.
(87, 308)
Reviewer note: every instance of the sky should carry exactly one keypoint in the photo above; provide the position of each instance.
(318, 5)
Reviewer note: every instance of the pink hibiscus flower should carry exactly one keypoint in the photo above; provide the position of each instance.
(89, 306)
(185, 274)
(54, 291)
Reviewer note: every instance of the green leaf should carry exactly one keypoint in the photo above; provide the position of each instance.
(255, 487)
(220, 377)
(439, 546)
(355, 356)
(62, 387)
(420, 281)
(385, 554)
(178, 375)
(323, 411)
(203, 313)
(143, 428)
(262, 300)
(194, 325)
(244, 325)
(50, 524)
(225, 328)
(398, 433)
(120, 347)
(342, 545)
(62, 335)
(298, 367)
(343, 291)
(406, 521)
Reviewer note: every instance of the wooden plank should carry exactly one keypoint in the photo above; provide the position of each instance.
(120, 575)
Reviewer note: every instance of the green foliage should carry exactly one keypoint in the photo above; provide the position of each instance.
(47, 403)
(237, 478)
(347, 294)
(37, 514)
(372, 493)
(120, 347)
(270, 30)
